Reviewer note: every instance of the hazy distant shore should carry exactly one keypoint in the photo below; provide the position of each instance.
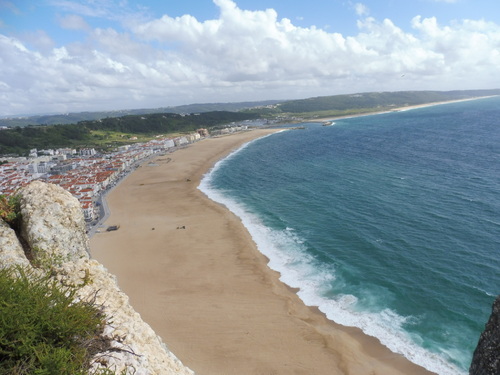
(398, 109)
(193, 272)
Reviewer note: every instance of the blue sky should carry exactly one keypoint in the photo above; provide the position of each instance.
(78, 55)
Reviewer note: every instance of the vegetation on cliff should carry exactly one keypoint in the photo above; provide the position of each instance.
(42, 329)
(109, 129)
(20, 140)
(61, 312)
(9, 209)
(375, 100)
(75, 117)
(343, 105)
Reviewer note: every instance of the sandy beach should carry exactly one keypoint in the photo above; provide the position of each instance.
(194, 274)
(398, 109)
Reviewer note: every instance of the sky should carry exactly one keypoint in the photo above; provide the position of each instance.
(59, 56)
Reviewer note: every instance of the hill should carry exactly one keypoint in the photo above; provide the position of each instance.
(107, 132)
(75, 117)
(105, 129)
(369, 102)
(334, 105)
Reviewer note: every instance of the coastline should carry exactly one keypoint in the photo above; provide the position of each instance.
(206, 289)
(398, 109)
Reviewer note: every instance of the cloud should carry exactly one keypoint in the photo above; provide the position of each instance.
(361, 9)
(114, 10)
(468, 49)
(84, 8)
(242, 55)
(39, 39)
(73, 22)
(9, 6)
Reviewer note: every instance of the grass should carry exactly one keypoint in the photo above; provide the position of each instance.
(105, 139)
(42, 330)
(10, 210)
(334, 113)
(108, 140)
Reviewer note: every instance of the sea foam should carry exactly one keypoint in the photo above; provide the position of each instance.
(287, 255)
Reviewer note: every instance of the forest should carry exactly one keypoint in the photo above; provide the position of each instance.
(94, 131)
(19, 140)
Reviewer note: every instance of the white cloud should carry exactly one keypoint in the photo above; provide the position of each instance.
(9, 6)
(114, 10)
(73, 22)
(361, 9)
(243, 55)
(470, 49)
(84, 8)
(39, 40)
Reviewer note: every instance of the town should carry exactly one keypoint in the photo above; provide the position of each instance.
(87, 174)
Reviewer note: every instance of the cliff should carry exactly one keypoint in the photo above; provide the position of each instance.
(486, 358)
(52, 233)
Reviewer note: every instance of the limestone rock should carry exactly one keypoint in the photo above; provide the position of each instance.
(53, 222)
(139, 350)
(11, 251)
(53, 226)
(486, 358)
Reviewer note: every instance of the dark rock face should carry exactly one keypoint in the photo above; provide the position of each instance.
(486, 358)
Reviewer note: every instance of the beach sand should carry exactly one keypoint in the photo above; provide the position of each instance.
(397, 109)
(206, 289)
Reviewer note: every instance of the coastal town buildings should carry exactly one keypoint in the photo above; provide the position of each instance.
(86, 173)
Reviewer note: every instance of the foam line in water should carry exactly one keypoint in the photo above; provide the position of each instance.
(287, 255)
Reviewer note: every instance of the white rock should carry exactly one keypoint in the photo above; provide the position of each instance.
(53, 222)
(53, 225)
(11, 251)
(140, 350)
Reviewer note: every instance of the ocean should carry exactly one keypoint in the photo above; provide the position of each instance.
(387, 222)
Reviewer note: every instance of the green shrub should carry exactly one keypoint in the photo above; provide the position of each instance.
(10, 209)
(43, 331)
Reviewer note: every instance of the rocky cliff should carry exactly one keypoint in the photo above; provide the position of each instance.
(52, 232)
(486, 358)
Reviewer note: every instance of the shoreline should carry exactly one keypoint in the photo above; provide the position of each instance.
(207, 290)
(100, 223)
(398, 109)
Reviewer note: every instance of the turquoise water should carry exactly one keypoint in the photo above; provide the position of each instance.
(387, 222)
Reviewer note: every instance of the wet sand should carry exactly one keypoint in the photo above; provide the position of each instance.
(206, 289)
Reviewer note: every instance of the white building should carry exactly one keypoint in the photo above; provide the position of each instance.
(88, 210)
(33, 168)
(123, 148)
(66, 151)
(87, 152)
(168, 143)
(39, 167)
(179, 141)
(47, 152)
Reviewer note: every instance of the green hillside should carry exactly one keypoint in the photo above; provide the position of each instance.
(73, 118)
(104, 132)
(364, 102)
(109, 132)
